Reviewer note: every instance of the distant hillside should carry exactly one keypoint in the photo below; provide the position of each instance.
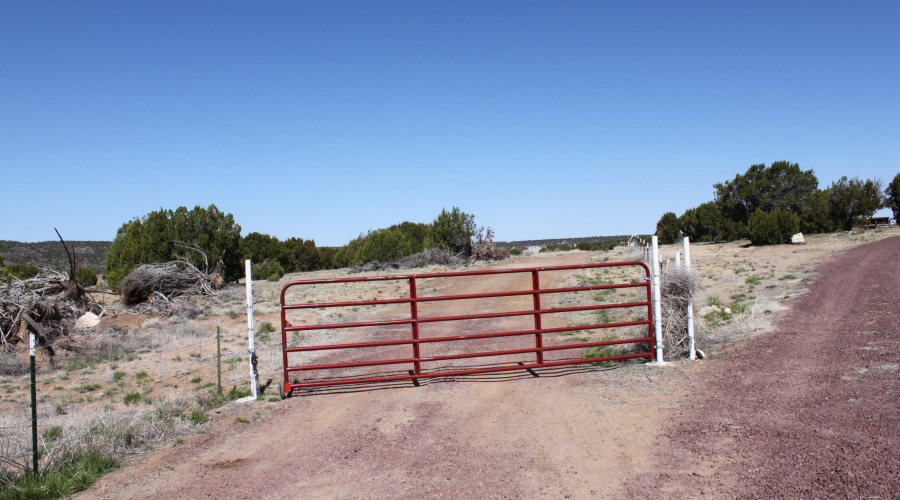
(560, 241)
(51, 254)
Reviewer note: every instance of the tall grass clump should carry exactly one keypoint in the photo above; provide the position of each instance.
(78, 448)
(71, 476)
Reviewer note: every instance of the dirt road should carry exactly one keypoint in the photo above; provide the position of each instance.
(807, 411)
(810, 411)
(572, 432)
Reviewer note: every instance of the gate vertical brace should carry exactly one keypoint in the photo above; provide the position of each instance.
(538, 337)
(284, 352)
(650, 315)
(414, 315)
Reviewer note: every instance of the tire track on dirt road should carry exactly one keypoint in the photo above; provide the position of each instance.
(808, 411)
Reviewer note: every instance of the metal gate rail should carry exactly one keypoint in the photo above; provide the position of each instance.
(414, 321)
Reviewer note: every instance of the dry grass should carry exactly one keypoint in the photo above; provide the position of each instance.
(740, 292)
(110, 433)
(743, 290)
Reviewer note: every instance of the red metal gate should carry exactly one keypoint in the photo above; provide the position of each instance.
(387, 335)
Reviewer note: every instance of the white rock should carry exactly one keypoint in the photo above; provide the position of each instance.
(798, 239)
(727, 310)
(87, 320)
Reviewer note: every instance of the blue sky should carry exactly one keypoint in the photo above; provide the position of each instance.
(324, 119)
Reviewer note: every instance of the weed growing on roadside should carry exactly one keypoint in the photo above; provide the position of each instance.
(132, 398)
(87, 387)
(197, 416)
(72, 475)
(602, 351)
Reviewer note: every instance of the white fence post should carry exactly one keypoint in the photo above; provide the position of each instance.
(657, 308)
(690, 305)
(254, 374)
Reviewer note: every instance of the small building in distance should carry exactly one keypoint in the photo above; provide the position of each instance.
(880, 222)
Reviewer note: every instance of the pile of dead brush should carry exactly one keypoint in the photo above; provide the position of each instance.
(678, 287)
(161, 288)
(46, 305)
(484, 247)
(429, 257)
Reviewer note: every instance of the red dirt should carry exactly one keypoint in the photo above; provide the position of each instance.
(808, 411)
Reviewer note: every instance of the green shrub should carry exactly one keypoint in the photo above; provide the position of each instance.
(197, 416)
(132, 398)
(87, 387)
(708, 223)
(383, 245)
(217, 398)
(851, 202)
(265, 327)
(86, 276)
(891, 198)
(268, 269)
(515, 251)
(556, 248)
(453, 230)
(21, 271)
(305, 256)
(161, 236)
(773, 228)
(667, 229)
(260, 247)
(595, 246)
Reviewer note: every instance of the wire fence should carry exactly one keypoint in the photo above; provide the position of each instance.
(160, 366)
